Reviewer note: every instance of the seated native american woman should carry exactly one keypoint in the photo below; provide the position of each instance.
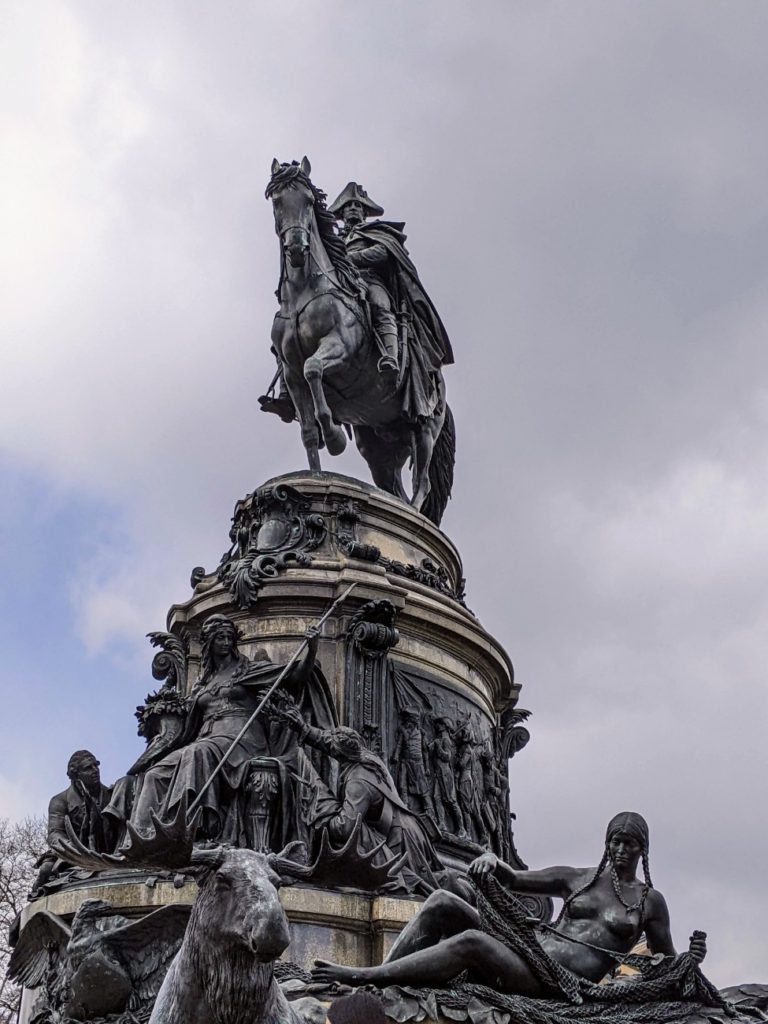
(605, 911)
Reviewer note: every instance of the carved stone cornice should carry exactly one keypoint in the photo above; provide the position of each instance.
(428, 572)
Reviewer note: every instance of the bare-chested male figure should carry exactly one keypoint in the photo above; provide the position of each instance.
(605, 908)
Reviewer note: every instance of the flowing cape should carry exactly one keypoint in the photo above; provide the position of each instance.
(428, 346)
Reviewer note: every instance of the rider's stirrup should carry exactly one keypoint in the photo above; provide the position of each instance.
(281, 406)
(388, 368)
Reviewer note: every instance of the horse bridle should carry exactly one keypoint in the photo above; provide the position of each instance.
(293, 227)
(333, 290)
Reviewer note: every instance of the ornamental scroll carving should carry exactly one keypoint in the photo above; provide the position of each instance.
(170, 662)
(272, 529)
(371, 635)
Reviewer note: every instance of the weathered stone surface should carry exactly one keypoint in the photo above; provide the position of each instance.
(443, 660)
(439, 636)
(403, 638)
(348, 927)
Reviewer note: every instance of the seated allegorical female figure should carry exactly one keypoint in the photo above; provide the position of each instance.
(230, 688)
(606, 909)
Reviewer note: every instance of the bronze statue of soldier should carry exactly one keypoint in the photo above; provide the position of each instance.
(377, 251)
(493, 797)
(443, 751)
(394, 290)
(372, 260)
(467, 788)
(410, 760)
(343, 362)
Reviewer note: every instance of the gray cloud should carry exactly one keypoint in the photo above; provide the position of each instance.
(584, 189)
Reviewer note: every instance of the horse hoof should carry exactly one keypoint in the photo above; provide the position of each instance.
(335, 441)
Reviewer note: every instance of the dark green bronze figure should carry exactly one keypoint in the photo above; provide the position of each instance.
(230, 687)
(377, 250)
(606, 909)
(371, 257)
(358, 341)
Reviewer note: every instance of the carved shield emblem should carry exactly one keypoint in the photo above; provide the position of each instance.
(273, 535)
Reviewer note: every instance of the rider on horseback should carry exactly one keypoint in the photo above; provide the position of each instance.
(372, 259)
(376, 249)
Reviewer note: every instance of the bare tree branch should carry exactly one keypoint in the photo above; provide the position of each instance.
(21, 843)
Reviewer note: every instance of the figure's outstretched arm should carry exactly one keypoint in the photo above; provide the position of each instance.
(295, 678)
(300, 672)
(556, 881)
(306, 734)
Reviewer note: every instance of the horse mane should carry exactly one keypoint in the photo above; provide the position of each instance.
(289, 176)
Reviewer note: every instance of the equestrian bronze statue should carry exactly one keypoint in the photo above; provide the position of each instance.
(358, 342)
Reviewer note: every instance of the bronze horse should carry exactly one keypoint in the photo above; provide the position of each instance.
(324, 340)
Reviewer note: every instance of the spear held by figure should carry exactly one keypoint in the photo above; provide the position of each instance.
(296, 655)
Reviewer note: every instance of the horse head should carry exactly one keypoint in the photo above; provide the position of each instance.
(293, 200)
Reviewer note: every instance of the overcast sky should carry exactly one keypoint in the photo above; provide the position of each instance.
(584, 186)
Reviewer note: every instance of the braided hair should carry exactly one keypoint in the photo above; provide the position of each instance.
(588, 885)
(633, 824)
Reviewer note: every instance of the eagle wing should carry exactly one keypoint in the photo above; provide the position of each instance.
(146, 948)
(42, 943)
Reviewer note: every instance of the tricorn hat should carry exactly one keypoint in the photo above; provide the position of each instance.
(355, 193)
(411, 711)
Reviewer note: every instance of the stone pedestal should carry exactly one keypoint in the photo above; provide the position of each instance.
(403, 644)
(346, 927)
(301, 539)
(297, 543)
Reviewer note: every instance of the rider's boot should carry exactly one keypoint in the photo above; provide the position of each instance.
(388, 366)
(385, 325)
(280, 404)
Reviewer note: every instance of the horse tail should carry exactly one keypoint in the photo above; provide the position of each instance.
(441, 470)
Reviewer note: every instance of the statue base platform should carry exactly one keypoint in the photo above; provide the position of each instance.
(402, 648)
(346, 927)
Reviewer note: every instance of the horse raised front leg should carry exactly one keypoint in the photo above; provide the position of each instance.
(305, 410)
(330, 354)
